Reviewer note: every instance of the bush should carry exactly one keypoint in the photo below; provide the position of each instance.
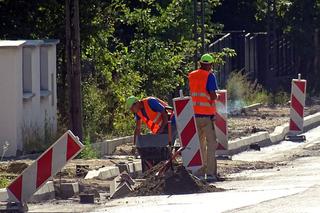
(242, 92)
(88, 152)
(281, 98)
(4, 182)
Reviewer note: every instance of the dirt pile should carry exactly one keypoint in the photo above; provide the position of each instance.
(177, 182)
(16, 167)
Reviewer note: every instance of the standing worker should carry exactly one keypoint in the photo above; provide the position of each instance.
(203, 87)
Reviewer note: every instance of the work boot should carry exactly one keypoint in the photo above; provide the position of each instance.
(200, 174)
(211, 178)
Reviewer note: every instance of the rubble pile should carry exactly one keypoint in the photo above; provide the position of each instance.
(178, 181)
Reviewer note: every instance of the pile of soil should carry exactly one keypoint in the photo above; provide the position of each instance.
(178, 181)
(16, 167)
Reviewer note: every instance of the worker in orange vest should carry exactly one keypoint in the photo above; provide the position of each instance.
(203, 87)
(151, 111)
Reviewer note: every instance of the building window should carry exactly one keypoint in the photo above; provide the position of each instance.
(27, 71)
(52, 89)
(44, 69)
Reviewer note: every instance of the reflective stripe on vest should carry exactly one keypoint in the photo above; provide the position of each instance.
(201, 99)
(203, 104)
(200, 94)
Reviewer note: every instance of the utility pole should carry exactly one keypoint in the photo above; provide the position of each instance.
(74, 66)
(203, 48)
(199, 16)
(195, 32)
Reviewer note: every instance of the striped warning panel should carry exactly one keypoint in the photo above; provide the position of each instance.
(188, 134)
(45, 167)
(221, 125)
(298, 97)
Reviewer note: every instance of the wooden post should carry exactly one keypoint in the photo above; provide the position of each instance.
(74, 66)
(195, 32)
(203, 48)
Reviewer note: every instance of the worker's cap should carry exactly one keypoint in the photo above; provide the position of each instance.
(206, 58)
(131, 100)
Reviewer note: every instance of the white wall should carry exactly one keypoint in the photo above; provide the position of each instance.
(21, 111)
(10, 98)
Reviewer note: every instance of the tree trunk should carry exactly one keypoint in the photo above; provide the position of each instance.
(316, 62)
(74, 66)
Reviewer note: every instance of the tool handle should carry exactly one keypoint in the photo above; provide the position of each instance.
(169, 133)
(166, 164)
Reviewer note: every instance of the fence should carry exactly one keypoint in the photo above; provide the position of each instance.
(271, 63)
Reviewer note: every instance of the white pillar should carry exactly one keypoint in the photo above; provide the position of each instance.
(10, 95)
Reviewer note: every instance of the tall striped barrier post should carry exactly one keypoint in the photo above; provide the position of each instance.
(298, 98)
(188, 133)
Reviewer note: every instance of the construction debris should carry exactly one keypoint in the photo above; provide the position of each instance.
(121, 186)
(82, 170)
(178, 182)
(86, 198)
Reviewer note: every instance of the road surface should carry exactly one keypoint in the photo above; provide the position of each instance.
(294, 187)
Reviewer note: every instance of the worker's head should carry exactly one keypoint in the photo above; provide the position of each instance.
(206, 62)
(132, 104)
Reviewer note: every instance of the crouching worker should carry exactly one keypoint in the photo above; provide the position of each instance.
(158, 116)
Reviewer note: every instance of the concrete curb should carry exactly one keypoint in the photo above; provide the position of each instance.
(3, 195)
(107, 147)
(266, 139)
(46, 192)
(68, 190)
(108, 172)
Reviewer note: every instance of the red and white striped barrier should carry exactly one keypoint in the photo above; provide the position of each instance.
(298, 98)
(221, 125)
(188, 133)
(46, 166)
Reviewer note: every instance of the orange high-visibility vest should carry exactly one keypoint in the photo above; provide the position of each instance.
(154, 119)
(202, 103)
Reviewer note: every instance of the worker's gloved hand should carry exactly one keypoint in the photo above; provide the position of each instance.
(218, 97)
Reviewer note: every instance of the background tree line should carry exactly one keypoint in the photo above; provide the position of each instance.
(146, 47)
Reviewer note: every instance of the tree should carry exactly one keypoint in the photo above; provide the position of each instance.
(74, 66)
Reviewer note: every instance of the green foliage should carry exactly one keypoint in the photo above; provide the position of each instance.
(4, 182)
(242, 92)
(88, 152)
(37, 139)
(219, 57)
(281, 98)
(139, 53)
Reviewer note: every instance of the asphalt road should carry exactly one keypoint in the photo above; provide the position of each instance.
(294, 187)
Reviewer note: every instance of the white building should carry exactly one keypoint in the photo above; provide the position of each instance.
(28, 98)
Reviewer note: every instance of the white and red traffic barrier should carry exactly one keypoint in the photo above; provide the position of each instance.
(298, 98)
(221, 125)
(45, 167)
(188, 133)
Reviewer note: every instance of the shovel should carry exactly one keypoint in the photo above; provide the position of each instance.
(169, 161)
